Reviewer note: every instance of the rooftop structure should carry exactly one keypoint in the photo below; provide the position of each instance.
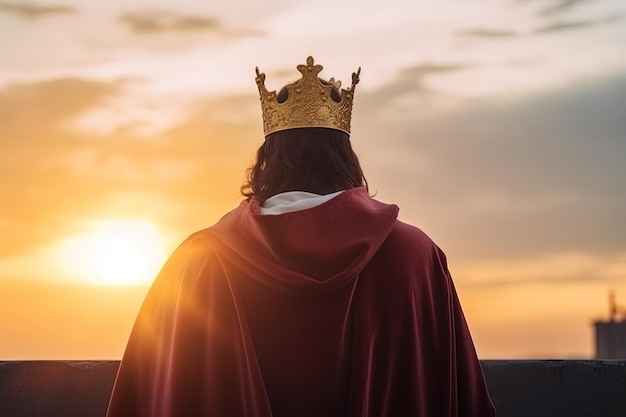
(611, 334)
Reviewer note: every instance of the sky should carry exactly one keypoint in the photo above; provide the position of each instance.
(497, 126)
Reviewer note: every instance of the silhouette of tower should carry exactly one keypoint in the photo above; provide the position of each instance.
(611, 334)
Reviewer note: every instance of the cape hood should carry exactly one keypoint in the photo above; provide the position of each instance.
(307, 252)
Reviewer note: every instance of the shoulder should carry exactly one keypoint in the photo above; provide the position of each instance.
(409, 237)
(197, 242)
(193, 265)
(408, 268)
(408, 248)
(198, 250)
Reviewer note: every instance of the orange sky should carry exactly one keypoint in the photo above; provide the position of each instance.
(496, 126)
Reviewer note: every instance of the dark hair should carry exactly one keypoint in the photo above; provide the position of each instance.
(317, 160)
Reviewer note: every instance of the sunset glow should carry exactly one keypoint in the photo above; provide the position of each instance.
(115, 253)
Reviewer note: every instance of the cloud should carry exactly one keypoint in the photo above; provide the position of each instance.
(54, 178)
(551, 268)
(510, 178)
(576, 25)
(562, 6)
(152, 21)
(34, 11)
(426, 69)
(412, 79)
(488, 33)
(37, 194)
(416, 76)
(566, 26)
(409, 90)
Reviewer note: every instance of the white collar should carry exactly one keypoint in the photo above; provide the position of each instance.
(294, 201)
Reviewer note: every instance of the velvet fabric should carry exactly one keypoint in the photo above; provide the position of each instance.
(340, 310)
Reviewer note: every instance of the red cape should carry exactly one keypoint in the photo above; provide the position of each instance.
(337, 311)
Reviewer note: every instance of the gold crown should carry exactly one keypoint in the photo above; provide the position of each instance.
(309, 102)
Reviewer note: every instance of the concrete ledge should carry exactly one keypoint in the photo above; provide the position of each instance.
(518, 388)
(554, 388)
(56, 388)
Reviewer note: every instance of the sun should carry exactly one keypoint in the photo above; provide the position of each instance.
(116, 252)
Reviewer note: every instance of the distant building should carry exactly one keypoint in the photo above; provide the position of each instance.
(611, 334)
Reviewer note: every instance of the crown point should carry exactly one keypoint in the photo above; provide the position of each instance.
(260, 77)
(355, 77)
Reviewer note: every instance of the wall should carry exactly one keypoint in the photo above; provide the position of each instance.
(610, 339)
(518, 388)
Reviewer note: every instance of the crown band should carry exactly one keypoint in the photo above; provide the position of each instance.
(309, 102)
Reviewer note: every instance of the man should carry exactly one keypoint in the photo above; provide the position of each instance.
(309, 299)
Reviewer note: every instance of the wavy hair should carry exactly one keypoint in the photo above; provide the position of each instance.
(317, 160)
